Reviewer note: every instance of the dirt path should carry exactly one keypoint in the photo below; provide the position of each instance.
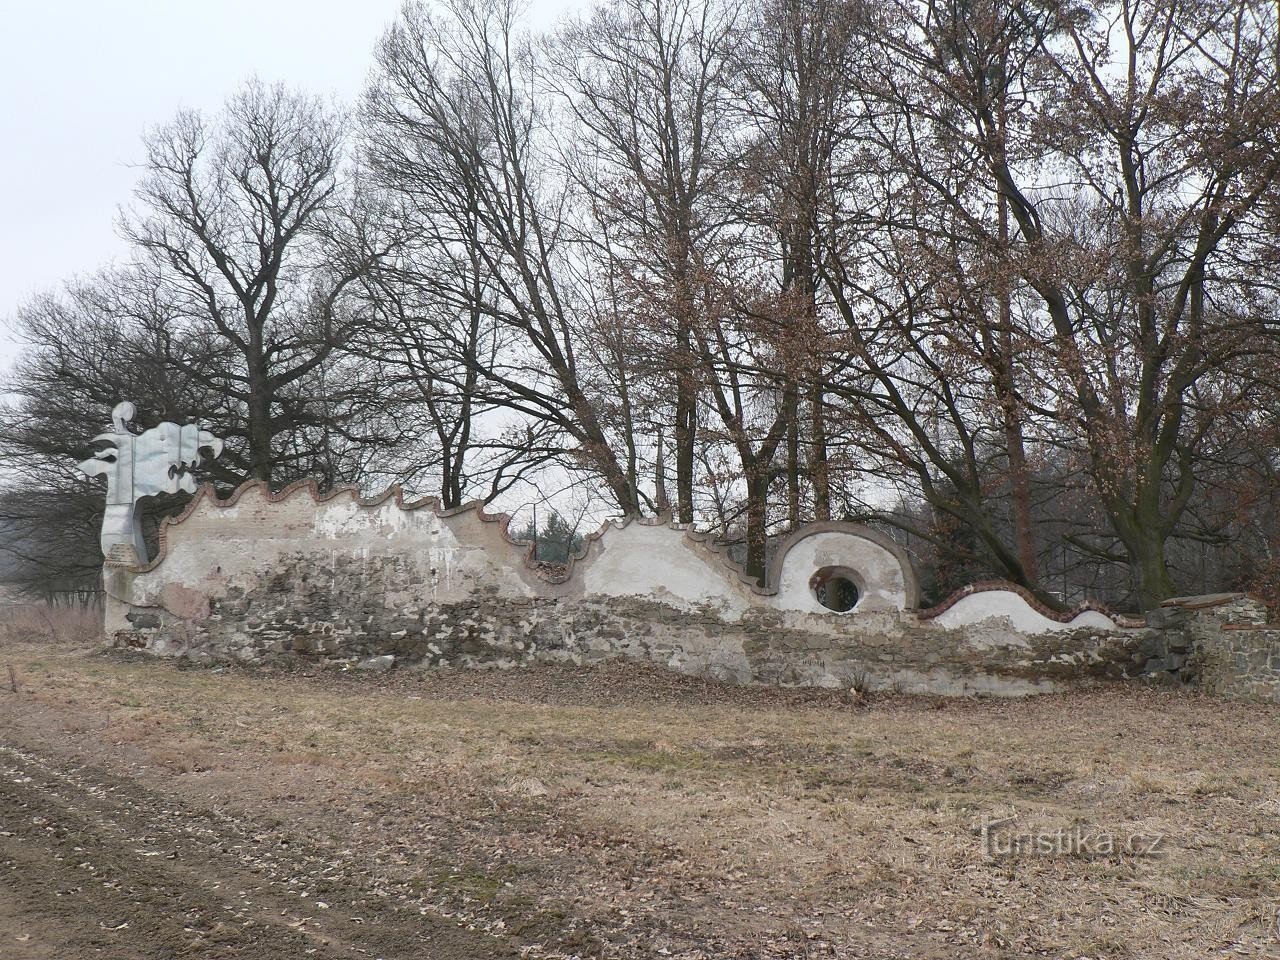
(94, 865)
(152, 811)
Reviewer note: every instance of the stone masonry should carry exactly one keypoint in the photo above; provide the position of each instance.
(1221, 643)
(347, 581)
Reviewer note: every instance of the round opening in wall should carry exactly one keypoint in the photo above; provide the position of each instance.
(833, 587)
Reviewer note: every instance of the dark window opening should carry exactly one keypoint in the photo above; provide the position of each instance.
(834, 590)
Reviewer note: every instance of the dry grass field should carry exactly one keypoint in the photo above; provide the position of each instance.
(152, 810)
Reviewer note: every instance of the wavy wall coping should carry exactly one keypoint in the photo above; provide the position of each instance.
(206, 493)
(1006, 586)
(706, 542)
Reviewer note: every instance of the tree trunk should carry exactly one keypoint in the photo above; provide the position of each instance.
(1150, 571)
(685, 429)
(1015, 446)
(818, 455)
(661, 500)
(1143, 532)
(259, 413)
(793, 468)
(1021, 493)
(757, 527)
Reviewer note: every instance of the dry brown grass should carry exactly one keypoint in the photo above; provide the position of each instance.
(660, 813)
(42, 623)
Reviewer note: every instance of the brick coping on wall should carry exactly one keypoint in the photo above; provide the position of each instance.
(561, 573)
(550, 573)
(1036, 604)
(1206, 601)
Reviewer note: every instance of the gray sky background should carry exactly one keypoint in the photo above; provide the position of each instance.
(80, 80)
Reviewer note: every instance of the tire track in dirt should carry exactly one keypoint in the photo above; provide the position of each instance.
(98, 865)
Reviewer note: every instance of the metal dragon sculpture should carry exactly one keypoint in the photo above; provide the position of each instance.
(139, 465)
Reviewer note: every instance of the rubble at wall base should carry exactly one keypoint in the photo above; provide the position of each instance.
(378, 583)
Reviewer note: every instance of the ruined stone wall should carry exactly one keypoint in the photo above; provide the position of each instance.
(1241, 660)
(337, 619)
(372, 583)
(1223, 644)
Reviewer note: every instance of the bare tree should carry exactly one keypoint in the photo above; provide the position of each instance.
(997, 274)
(84, 350)
(429, 355)
(1129, 142)
(236, 222)
(455, 132)
(794, 72)
(644, 82)
(234, 308)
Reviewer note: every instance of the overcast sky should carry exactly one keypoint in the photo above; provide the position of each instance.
(80, 80)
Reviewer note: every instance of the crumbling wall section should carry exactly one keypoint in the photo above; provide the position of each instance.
(1221, 643)
(351, 582)
(333, 620)
(1241, 660)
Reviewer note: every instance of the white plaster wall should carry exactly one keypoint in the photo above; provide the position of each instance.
(642, 560)
(343, 518)
(1009, 606)
(218, 547)
(880, 579)
(403, 562)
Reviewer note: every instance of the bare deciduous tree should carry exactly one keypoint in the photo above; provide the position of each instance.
(454, 131)
(236, 222)
(645, 84)
(1129, 143)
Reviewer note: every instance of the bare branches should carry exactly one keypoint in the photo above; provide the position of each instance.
(996, 274)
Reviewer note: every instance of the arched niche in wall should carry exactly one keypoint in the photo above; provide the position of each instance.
(836, 568)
